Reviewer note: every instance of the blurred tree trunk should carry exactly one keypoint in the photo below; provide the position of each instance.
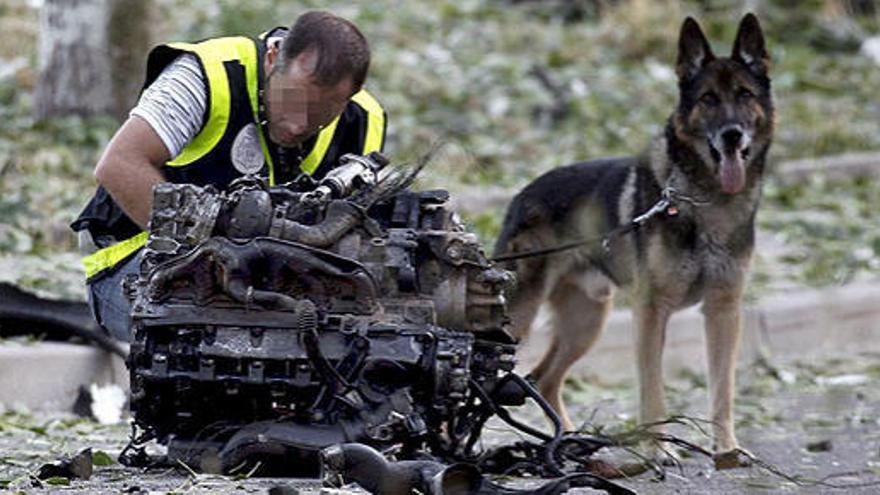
(130, 32)
(91, 55)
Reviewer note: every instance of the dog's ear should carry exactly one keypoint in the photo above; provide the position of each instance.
(749, 47)
(693, 50)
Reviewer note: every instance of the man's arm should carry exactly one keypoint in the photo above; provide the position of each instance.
(130, 167)
(168, 115)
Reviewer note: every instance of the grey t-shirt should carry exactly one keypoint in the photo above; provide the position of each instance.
(174, 104)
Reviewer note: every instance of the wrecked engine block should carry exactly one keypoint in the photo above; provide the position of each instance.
(280, 320)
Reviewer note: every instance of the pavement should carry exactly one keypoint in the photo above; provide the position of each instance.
(808, 323)
(486, 198)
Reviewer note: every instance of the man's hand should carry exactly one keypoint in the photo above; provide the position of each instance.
(130, 167)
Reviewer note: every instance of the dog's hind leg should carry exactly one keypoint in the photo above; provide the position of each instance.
(523, 308)
(527, 297)
(579, 313)
(721, 308)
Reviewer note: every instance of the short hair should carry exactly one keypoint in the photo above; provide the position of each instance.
(341, 49)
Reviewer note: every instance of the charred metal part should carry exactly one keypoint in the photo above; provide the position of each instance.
(272, 322)
(233, 268)
(78, 466)
(182, 208)
(354, 172)
(251, 213)
(341, 217)
(286, 440)
(358, 463)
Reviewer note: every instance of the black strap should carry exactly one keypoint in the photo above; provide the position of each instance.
(666, 205)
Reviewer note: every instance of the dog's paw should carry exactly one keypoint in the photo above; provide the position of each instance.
(732, 459)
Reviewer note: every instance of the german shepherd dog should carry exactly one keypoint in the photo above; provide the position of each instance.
(709, 162)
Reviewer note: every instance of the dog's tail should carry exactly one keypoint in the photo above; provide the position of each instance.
(509, 227)
(522, 213)
(501, 243)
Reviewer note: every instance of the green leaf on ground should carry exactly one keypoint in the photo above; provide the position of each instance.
(101, 458)
(57, 481)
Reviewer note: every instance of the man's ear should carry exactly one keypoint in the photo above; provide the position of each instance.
(271, 57)
(693, 50)
(749, 47)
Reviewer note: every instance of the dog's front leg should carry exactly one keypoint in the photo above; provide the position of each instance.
(721, 308)
(651, 319)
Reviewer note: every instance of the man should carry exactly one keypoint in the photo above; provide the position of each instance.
(286, 103)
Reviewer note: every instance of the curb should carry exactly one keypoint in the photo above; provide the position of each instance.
(474, 200)
(46, 376)
(803, 324)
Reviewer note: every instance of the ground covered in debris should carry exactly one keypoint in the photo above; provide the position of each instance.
(815, 422)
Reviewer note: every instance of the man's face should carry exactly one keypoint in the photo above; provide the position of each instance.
(298, 107)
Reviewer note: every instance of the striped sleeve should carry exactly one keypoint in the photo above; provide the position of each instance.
(175, 103)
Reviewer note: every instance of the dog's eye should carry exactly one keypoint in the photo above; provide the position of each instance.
(710, 99)
(744, 94)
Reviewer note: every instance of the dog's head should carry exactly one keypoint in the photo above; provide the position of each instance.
(725, 111)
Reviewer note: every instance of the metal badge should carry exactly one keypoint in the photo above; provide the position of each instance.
(247, 154)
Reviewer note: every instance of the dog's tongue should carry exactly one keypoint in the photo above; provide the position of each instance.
(733, 174)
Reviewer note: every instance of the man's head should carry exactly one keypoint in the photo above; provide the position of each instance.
(319, 65)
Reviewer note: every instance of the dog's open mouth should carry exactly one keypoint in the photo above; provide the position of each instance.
(731, 167)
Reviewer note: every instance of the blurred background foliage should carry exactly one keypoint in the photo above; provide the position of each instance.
(512, 88)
